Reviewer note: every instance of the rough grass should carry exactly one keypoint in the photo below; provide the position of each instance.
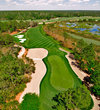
(87, 40)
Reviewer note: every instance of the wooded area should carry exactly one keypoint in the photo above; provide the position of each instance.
(78, 98)
(14, 72)
(13, 25)
(27, 15)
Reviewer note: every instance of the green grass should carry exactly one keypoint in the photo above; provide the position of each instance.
(30, 102)
(36, 39)
(59, 75)
(60, 78)
(87, 40)
(17, 39)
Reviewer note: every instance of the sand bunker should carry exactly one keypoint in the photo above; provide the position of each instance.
(34, 85)
(20, 37)
(37, 53)
(22, 40)
(21, 53)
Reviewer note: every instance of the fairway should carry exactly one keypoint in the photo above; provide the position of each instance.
(36, 39)
(59, 74)
(61, 79)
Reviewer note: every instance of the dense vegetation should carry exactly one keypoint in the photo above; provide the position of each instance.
(14, 25)
(30, 102)
(14, 73)
(26, 15)
(86, 58)
(72, 99)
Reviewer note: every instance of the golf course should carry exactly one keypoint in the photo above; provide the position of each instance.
(59, 76)
(50, 55)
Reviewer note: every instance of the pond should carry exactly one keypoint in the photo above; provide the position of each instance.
(71, 24)
(95, 29)
(61, 25)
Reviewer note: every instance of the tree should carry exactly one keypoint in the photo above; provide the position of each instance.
(30, 102)
(96, 90)
(43, 23)
(73, 98)
(80, 45)
(95, 76)
(6, 40)
(12, 105)
(88, 52)
(85, 54)
(95, 80)
(65, 35)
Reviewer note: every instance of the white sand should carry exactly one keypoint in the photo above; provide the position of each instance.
(96, 102)
(81, 75)
(22, 40)
(34, 85)
(19, 36)
(21, 52)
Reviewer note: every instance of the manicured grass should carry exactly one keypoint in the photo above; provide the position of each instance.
(87, 40)
(61, 79)
(59, 74)
(35, 39)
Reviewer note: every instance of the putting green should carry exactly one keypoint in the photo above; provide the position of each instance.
(61, 79)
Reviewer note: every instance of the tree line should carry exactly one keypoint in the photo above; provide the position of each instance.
(86, 58)
(13, 25)
(26, 15)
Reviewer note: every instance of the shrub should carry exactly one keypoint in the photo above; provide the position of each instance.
(30, 102)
